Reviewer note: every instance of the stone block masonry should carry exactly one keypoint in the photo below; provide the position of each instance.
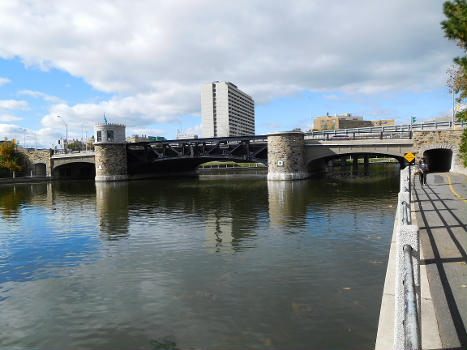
(110, 152)
(286, 156)
(111, 162)
(440, 139)
(39, 157)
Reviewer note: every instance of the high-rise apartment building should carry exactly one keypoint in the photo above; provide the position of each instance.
(226, 111)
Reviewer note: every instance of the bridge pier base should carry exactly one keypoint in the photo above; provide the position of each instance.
(286, 156)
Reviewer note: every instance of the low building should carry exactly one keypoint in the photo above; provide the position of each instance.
(382, 122)
(346, 121)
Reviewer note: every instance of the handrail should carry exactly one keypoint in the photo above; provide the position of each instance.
(411, 324)
(405, 213)
(407, 281)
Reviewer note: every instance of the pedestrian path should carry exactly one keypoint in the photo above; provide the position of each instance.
(441, 212)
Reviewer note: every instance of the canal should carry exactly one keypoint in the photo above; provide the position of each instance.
(219, 262)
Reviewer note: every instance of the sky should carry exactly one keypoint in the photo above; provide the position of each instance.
(142, 63)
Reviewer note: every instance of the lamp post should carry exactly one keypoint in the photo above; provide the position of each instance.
(65, 143)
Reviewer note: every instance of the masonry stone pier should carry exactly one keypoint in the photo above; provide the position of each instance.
(110, 152)
(286, 156)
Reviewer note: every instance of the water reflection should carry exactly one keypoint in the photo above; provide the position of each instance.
(112, 209)
(287, 203)
(11, 198)
(207, 263)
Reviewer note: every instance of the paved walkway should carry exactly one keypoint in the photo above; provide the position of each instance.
(441, 211)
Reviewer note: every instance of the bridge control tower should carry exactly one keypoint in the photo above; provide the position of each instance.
(110, 152)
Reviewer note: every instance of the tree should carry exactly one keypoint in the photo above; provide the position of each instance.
(10, 158)
(455, 28)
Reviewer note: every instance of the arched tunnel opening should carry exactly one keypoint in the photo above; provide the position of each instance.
(75, 171)
(438, 160)
(40, 170)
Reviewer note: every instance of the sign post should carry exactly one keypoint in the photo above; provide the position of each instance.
(409, 157)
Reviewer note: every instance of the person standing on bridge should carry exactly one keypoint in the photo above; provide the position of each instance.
(422, 171)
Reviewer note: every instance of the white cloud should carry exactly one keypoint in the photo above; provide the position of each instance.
(195, 130)
(133, 47)
(154, 55)
(4, 81)
(13, 104)
(44, 96)
(135, 111)
(9, 118)
(142, 131)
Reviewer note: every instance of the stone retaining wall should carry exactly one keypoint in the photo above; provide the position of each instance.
(39, 157)
(440, 139)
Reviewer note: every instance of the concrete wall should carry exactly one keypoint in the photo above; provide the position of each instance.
(315, 150)
(207, 117)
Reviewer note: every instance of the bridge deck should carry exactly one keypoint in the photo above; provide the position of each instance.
(442, 219)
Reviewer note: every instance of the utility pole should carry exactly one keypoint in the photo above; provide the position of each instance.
(65, 142)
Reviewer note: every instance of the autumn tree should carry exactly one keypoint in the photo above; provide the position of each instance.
(455, 28)
(10, 158)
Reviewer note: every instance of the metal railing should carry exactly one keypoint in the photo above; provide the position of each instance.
(405, 213)
(407, 301)
(382, 132)
(411, 319)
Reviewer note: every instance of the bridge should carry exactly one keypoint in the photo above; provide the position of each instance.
(289, 155)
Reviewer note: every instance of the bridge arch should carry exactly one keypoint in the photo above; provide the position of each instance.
(317, 163)
(439, 156)
(75, 170)
(40, 169)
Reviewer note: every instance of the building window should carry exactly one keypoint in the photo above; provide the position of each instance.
(99, 136)
(110, 135)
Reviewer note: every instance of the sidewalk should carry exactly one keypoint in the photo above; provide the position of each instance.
(441, 213)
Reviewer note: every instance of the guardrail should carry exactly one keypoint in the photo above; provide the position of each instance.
(382, 132)
(234, 165)
(411, 314)
(407, 286)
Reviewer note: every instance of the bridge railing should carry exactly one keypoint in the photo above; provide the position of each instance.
(390, 131)
(339, 135)
(407, 286)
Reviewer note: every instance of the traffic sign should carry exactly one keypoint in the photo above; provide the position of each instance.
(409, 157)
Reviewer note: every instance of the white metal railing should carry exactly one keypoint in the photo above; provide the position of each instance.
(407, 286)
(391, 131)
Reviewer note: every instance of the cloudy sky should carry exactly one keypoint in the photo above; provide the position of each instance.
(142, 63)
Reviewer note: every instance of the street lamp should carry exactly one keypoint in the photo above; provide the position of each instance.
(65, 143)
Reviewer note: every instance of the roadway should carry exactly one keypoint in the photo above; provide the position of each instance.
(441, 213)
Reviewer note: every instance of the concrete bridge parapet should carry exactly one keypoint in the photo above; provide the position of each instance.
(286, 156)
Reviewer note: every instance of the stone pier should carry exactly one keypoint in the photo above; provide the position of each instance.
(286, 156)
(110, 152)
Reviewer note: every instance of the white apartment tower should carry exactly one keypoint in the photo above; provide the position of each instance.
(226, 111)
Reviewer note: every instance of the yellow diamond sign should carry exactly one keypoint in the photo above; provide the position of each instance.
(409, 157)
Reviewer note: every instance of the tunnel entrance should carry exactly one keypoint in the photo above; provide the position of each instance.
(75, 171)
(438, 160)
(40, 169)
